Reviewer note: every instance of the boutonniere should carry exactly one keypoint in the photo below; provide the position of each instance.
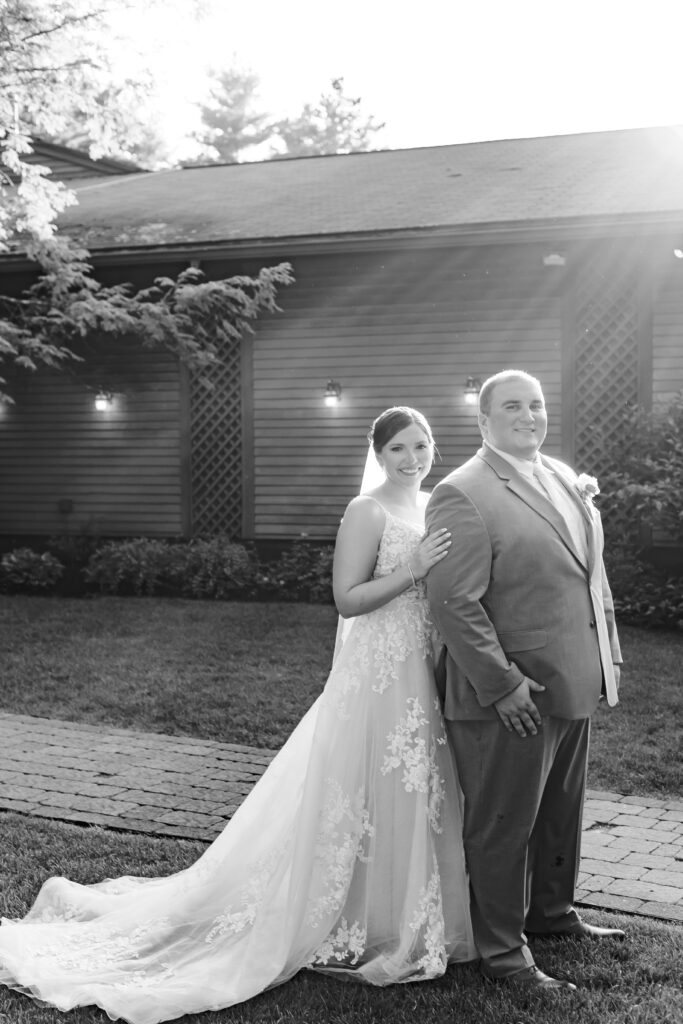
(587, 487)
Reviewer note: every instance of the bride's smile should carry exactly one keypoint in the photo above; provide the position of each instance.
(407, 459)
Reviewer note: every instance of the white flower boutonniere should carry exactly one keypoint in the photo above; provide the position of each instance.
(587, 486)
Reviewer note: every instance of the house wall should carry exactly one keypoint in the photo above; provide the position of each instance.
(401, 327)
(392, 328)
(667, 332)
(66, 468)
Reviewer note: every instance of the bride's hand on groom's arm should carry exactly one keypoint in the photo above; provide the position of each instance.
(517, 710)
(432, 549)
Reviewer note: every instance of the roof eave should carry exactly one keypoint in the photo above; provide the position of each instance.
(555, 230)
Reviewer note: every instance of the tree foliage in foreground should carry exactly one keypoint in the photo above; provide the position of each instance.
(55, 73)
(55, 78)
(68, 320)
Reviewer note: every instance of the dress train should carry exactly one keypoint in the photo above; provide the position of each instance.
(346, 856)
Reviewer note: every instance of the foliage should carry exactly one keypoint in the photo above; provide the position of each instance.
(335, 125)
(56, 77)
(302, 572)
(135, 566)
(215, 567)
(641, 500)
(644, 487)
(25, 570)
(233, 124)
(212, 567)
(68, 319)
(115, 121)
(62, 79)
(55, 67)
(39, 61)
(230, 122)
(643, 595)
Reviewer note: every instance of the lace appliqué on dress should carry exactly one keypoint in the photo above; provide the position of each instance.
(233, 921)
(420, 767)
(382, 641)
(429, 916)
(97, 948)
(346, 945)
(344, 827)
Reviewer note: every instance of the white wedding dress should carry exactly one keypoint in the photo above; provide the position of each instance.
(346, 856)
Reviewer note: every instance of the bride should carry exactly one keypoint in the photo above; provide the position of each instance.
(346, 857)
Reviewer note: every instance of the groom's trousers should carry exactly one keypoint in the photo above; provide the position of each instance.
(522, 831)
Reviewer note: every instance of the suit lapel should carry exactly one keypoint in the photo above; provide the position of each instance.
(533, 498)
(588, 513)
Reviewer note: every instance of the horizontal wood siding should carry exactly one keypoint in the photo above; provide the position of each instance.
(400, 328)
(667, 334)
(120, 468)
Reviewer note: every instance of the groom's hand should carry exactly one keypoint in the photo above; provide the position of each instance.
(517, 711)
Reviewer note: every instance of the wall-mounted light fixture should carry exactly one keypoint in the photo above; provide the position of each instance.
(678, 253)
(471, 390)
(104, 401)
(332, 393)
(554, 259)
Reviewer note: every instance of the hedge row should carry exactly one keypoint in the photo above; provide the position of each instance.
(215, 568)
(218, 568)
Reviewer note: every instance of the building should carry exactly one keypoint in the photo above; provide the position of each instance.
(417, 271)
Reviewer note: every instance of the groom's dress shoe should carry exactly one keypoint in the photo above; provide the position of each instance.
(581, 930)
(534, 978)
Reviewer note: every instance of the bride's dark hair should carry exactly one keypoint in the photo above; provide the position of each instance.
(388, 424)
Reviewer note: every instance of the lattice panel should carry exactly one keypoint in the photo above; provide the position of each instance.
(216, 450)
(606, 362)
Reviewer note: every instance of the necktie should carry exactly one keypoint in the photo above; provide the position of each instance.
(541, 481)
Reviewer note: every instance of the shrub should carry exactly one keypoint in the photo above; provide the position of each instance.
(302, 572)
(138, 566)
(641, 501)
(643, 595)
(215, 567)
(24, 569)
(203, 568)
(643, 489)
(73, 551)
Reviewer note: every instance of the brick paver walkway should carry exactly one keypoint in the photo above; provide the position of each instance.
(632, 850)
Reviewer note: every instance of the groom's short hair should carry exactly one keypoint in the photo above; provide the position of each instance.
(487, 388)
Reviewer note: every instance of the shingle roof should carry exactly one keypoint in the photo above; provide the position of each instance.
(67, 163)
(636, 173)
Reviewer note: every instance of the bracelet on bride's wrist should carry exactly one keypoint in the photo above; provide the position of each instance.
(412, 575)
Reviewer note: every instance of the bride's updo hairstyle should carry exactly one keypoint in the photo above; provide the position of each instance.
(391, 421)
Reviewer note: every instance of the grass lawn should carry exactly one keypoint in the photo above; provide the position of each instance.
(245, 673)
(635, 982)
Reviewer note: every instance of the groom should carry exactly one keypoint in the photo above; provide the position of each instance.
(523, 605)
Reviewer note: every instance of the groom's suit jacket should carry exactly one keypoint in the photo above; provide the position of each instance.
(514, 597)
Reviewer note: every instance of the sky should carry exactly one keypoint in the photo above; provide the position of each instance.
(436, 71)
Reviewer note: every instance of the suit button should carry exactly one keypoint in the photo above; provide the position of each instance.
(592, 623)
